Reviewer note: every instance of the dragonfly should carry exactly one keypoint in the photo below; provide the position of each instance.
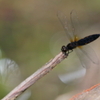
(75, 41)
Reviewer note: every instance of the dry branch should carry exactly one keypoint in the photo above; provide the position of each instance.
(34, 77)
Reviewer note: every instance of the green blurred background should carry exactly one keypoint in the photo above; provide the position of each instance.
(30, 34)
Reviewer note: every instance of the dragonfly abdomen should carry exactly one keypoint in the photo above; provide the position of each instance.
(87, 39)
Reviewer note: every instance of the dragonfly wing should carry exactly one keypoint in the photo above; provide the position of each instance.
(76, 28)
(64, 22)
(87, 56)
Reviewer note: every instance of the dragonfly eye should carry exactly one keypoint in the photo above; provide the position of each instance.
(64, 49)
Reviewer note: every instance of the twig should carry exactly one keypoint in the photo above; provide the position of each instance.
(34, 77)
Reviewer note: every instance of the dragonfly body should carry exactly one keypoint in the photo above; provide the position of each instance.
(73, 31)
(79, 43)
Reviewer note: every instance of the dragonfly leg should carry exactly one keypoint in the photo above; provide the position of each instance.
(70, 51)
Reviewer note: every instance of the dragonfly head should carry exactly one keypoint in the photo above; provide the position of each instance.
(64, 49)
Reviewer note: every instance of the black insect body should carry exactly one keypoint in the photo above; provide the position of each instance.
(79, 43)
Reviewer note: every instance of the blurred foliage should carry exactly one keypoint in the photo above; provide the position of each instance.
(30, 35)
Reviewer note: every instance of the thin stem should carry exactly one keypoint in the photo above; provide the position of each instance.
(34, 77)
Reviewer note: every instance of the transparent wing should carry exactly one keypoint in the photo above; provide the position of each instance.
(66, 26)
(86, 53)
(87, 56)
(76, 27)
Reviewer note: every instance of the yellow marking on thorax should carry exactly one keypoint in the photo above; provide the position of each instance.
(80, 47)
(76, 38)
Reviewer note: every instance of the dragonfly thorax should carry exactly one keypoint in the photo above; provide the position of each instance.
(71, 45)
